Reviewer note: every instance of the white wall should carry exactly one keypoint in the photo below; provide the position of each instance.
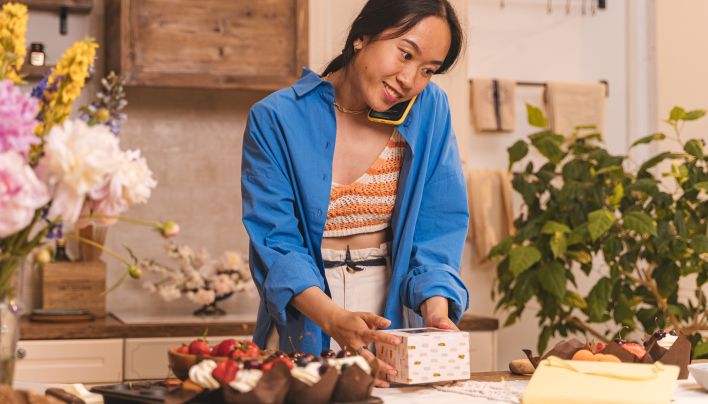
(524, 43)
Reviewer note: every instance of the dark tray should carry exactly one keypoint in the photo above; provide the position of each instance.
(137, 392)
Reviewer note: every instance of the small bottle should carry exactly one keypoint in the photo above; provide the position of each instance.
(37, 56)
(60, 254)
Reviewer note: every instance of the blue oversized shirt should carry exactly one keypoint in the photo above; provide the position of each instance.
(286, 176)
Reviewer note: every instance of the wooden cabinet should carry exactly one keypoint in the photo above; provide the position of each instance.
(71, 361)
(235, 44)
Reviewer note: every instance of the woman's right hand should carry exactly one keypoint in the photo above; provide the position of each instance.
(356, 330)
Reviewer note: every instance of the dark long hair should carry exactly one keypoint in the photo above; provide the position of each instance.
(379, 15)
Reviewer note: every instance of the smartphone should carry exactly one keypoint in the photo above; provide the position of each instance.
(394, 116)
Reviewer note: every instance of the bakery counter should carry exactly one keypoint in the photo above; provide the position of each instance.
(109, 350)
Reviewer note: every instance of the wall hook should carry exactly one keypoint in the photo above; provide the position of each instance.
(567, 7)
(550, 7)
(63, 23)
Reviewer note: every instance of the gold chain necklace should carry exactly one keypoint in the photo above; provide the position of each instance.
(349, 111)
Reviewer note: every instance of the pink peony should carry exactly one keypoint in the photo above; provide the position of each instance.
(17, 119)
(21, 193)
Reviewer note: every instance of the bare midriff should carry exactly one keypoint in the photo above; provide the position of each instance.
(355, 241)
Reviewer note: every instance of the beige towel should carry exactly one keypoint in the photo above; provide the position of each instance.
(575, 104)
(491, 211)
(493, 105)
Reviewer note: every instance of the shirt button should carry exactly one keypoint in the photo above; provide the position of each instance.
(327, 145)
(324, 177)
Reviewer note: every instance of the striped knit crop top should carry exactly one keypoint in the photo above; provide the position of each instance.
(365, 206)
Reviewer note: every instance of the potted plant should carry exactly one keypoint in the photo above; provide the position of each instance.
(639, 229)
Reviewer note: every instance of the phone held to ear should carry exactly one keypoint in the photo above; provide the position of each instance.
(394, 116)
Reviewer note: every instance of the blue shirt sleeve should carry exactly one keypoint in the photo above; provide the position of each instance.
(279, 260)
(441, 228)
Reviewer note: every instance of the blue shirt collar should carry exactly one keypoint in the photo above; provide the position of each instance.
(308, 81)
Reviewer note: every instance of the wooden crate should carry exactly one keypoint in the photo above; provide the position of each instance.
(74, 285)
(235, 44)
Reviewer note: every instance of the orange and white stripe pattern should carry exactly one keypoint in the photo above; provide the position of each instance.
(365, 205)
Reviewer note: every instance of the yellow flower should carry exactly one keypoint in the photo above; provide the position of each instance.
(65, 83)
(13, 49)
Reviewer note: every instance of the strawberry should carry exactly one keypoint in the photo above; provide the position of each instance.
(636, 349)
(285, 360)
(184, 349)
(245, 349)
(200, 347)
(225, 371)
(600, 347)
(225, 347)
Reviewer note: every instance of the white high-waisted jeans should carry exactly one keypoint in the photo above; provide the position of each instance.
(351, 290)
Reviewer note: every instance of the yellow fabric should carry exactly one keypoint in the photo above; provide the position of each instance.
(491, 211)
(557, 381)
(484, 110)
(575, 104)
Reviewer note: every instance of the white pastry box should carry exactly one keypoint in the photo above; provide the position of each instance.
(427, 355)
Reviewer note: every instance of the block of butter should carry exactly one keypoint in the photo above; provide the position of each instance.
(427, 355)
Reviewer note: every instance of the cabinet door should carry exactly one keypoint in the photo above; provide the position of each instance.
(146, 358)
(235, 44)
(483, 351)
(71, 361)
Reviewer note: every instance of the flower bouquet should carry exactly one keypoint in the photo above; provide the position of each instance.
(55, 172)
(202, 279)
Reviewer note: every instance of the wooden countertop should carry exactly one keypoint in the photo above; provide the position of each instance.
(111, 327)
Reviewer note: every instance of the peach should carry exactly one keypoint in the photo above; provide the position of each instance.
(584, 355)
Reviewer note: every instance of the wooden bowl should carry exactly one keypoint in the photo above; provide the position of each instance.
(181, 363)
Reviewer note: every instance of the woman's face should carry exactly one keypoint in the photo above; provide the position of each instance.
(389, 71)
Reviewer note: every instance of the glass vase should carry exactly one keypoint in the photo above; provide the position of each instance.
(9, 320)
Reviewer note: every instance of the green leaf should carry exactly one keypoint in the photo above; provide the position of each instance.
(694, 147)
(552, 226)
(502, 248)
(573, 299)
(695, 114)
(702, 186)
(599, 222)
(517, 151)
(700, 243)
(658, 159)
(646, 185)
(701, 351)
(617, 196)
(549, 147)
(640, 222)
(543, 339)
(608, 169)
(599, 299)
(522, 258)
(648, 139)
(558, 244)
(581, 256)
(552, 278)
(677, 114)
(536, 117)
(680, 223)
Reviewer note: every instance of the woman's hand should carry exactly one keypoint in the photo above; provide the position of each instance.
(356, 330)
(435, 313)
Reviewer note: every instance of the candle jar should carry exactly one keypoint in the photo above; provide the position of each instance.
(37, 56)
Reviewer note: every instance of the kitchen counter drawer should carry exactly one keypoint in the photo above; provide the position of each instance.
(71, 361)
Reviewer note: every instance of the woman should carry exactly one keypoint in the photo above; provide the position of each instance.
(357, 225)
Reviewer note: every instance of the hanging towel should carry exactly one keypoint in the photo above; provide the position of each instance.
(491, 211)
(575, 104)
(493, 105)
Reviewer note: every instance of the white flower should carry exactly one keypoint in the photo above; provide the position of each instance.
(21, 193)
(129, 185)
(202, 296)
(169, 293)
(223, 284)
(78, 158)
(150, 287)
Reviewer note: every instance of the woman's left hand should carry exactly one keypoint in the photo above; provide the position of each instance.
(435, 312)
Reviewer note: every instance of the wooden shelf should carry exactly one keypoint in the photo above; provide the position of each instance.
(77, 6)
(35, 72)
